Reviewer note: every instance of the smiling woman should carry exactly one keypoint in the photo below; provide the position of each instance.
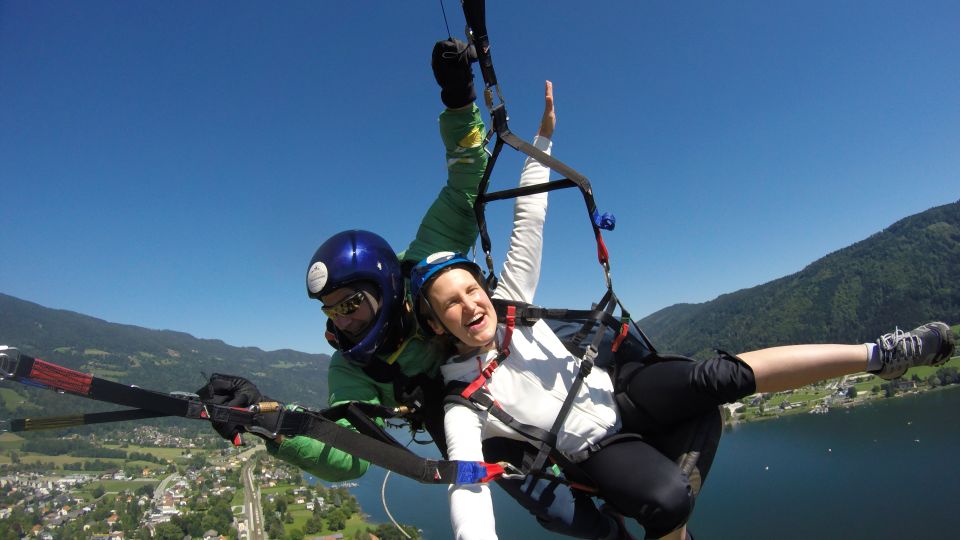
(608, 431)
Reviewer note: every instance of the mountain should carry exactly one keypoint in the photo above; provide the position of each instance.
(903, 276)
(161, 360)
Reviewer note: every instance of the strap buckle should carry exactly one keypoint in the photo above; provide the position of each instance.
(9, 357)
(588, 360)
(267, 419)
(511, 472)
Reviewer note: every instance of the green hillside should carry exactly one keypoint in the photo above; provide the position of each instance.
(161, 360)
(902, 276)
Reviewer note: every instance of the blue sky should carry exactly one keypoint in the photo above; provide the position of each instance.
(174, 165)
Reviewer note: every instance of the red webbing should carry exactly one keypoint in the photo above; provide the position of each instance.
(494, 471)
(485, 373)
(60, 377)
(619, 339)
(602, 253)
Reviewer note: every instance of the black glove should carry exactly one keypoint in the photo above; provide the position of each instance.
(451, 67)
(229, 391)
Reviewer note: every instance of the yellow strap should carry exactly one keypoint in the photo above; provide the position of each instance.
(393, 357)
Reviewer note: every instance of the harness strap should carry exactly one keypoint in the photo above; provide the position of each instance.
(529, 314)
(61, 422)
(485, 373)
(537, 436)
(264, 419)
(511, 322)
(586, 366)
(485, 402)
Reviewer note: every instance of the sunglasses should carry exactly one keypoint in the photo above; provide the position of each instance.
(346, 306)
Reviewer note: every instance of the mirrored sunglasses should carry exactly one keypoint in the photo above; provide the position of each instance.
(346, 306)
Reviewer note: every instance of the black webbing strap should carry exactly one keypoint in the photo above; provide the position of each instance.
(379, 450)
(486, 403)
(538, 437)
(573, 179)
(475, 13)
(72, 420)
(389, 455)
(545, 451)
(36, 372)
(528, 314)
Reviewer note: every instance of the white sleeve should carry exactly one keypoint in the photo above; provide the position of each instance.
(471, 506)
(521, 271)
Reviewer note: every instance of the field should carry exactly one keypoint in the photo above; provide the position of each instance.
(301, 514)
(11, 400)
(10, 441)
(175, 454)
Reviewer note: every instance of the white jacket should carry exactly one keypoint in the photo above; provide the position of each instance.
(532, 383)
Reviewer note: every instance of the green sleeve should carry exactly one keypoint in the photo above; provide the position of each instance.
(347, 383)
(449, 224)
(318, 459)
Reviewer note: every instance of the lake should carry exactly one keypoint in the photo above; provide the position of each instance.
(881, 470)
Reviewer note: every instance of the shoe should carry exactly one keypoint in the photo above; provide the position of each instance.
(927, 345)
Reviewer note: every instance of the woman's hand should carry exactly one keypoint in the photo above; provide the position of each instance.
(549, 119)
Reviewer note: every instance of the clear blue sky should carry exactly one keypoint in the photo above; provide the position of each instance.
(174, 165)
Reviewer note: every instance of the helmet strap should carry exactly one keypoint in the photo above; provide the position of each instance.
(397, 332)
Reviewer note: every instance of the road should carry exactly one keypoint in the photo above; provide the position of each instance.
(161, 487)
(251, 500)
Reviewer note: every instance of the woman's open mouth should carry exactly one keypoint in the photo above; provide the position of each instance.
(476, 322)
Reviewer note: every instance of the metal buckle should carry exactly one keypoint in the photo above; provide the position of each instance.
(510, 472)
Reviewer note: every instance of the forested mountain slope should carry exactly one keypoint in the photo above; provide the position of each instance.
(904, 275)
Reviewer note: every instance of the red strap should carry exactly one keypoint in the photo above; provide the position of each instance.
(494, 471)
(583, 487)
(480, 381)
(60, 377)
(487, 372)
(602, 253)
(619, 339)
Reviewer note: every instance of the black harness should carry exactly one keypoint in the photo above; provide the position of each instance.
(606, 333)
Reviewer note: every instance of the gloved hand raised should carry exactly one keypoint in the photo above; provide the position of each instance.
(229, 391)
(451, 61)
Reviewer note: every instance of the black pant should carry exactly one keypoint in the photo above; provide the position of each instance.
(672, 403)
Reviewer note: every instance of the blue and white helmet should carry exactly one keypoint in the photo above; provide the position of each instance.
(357, 258)
(429, 269)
